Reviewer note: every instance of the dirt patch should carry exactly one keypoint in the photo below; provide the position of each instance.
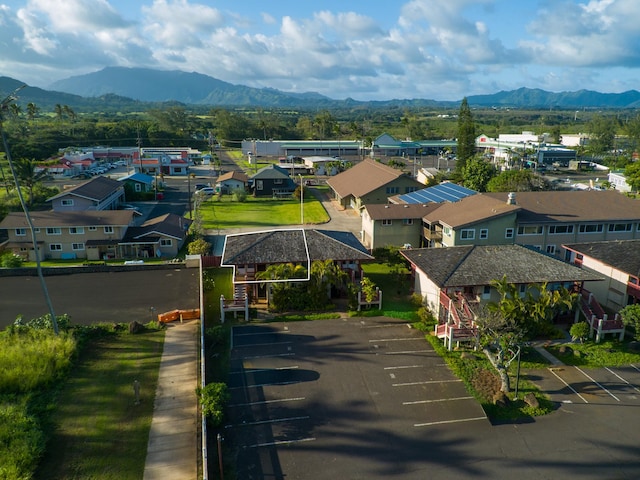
(486, 383)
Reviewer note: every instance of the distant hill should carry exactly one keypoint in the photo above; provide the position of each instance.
(149, 85)
(135, 89)
(536, 98)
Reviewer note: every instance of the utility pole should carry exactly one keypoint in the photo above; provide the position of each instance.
(4, 106)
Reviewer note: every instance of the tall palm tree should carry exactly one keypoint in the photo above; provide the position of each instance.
(29, 175)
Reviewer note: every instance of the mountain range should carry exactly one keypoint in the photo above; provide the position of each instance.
(121, 88)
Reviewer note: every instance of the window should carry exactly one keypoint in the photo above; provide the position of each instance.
(387, 222)
(508, 233)
(137, 187)
(76, 230)
(467, 234)
(108, 229)
(522, 288)
(407, 221)
(532, 230)
(484, 233)
(54, 231)
(393, 190)
(410, 189)
(166, 242)
(595, 228)
(277, 181)
(447, 231)
(55, 247)
(93, 229)
(551, 249)
(66, 202)
(620, 227)
(560, 229)
(259, 185)
(486, 292)
(37, 229)
(21, 232)
(77, 246)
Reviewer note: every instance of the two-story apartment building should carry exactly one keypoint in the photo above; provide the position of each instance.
(394, 224)
(99, 193)
(90, 234)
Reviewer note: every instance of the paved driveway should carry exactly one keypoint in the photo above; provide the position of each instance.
(369, 399)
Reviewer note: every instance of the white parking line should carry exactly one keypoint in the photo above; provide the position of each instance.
(623, 379)
(264, 422)
(266, 402)
(570, 387)
(269, 356)
(436, 401)
(408, 351)
(258, 370)
(258, 385)
(280, 442)
(473, 419)
(415, 366)
(395, 340)
(429, 382)
(597, 383)
(263, 344)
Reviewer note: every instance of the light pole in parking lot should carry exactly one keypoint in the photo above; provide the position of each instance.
(301, 200)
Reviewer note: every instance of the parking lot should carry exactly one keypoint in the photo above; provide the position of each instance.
(368, 398)
(295, 392)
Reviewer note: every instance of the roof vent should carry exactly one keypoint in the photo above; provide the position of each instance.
(511, 198)
(386, 206)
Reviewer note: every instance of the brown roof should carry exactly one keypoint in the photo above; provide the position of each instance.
(98, 188)
(86, 218)
(479, 265)
(573, 206)
(623, 255)
(392, 211)
(363, 178)
(469, 210)
(233, 175)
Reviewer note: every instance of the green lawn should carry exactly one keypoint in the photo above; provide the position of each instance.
(100, 433)
(259, 212)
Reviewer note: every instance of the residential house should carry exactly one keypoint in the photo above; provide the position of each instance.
(161, 236)
(618, 262)
(618, 180)
(138, 182)
(370, 182)
(90, 234)
(98, 193)
(232, 181)
(271, 181)
(394, 224)
(251, 253)
(455, 282)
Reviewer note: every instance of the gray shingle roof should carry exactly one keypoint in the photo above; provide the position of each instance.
(284, 246)
(624, 255)
(479, 265)
(98, 188)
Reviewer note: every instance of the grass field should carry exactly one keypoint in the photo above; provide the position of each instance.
(259, 212)
(100, 432)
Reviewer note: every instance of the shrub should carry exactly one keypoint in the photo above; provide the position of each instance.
(199, 246)
(213, 399)
(10, 260)
(239, 195)
(579, 331)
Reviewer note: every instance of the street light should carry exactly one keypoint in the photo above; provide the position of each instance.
(301, 200)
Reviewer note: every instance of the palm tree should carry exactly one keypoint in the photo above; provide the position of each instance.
(29, 175)
(32, 111)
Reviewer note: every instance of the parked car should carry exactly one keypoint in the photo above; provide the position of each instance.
(81, 176)
(206, 191)
(200, 186)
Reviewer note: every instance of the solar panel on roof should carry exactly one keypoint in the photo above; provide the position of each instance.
(443, 192)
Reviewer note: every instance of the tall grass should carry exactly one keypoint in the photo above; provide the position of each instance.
(32, 359)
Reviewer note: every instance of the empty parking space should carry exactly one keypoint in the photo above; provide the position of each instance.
(307, 387)
(608, 385)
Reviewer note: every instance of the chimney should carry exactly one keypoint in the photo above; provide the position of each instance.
(511, 198)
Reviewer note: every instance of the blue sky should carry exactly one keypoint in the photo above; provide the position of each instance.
(366, 50)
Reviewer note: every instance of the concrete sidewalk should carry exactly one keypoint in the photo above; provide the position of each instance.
(173, 450)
